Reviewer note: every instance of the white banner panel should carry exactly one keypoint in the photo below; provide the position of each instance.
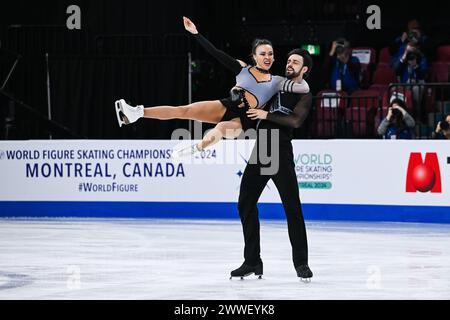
(328, 171)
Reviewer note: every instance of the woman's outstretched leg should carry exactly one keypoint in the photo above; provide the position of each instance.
(205, 111)
(225, 129)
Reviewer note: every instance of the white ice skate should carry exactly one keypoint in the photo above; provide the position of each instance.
(183, 152)
(127, 114)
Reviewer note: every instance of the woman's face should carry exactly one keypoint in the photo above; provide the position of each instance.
(264, 56)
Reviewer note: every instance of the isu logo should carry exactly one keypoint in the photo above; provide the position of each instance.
(423, 176)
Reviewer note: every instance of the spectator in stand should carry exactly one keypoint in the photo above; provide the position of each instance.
(442, 129)
(341, 69)
(412, 67)
(413, 36)
(398, 123)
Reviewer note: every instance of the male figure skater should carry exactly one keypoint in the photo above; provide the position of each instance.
(287, 111)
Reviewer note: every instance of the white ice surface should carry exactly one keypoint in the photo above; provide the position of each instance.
(191, 259)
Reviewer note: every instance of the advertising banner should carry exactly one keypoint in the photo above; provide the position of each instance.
(335, 177)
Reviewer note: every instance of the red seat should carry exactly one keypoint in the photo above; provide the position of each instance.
(356, 120)
(443, 53)
(384, 76)
(440, 72)
(329, 109)
(385, 56)
(366, 99)
(429, 100)
(359, 116)
(380, 88)
(381, 65)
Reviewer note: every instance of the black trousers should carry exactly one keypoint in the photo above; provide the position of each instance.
(252, 185)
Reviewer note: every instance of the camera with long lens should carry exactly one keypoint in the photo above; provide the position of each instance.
(341, 46)
(413, 37)
(444, 125)
(414, 55)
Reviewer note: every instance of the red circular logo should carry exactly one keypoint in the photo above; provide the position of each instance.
(423, 178)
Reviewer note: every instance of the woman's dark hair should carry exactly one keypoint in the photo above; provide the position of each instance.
(307, 59)
(397, 116)
(400, 102)
(256, 43)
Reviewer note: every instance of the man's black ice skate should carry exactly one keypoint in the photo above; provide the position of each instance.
(304, 273)
(246, 270)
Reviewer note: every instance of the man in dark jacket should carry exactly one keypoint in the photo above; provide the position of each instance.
(286, 111)
(342, 70)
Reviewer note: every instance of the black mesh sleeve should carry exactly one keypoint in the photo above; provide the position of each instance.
(297, 117)
(221, 56)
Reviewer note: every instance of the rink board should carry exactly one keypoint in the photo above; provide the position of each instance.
(371, 180)
(198, 210)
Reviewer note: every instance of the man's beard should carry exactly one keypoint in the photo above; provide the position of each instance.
(292, 75)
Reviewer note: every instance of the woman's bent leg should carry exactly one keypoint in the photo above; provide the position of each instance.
(225, 129)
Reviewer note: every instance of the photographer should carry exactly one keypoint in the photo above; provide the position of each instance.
(413, 36)
(412, 67)
(341, 69)
(442, 129)
(398, 124)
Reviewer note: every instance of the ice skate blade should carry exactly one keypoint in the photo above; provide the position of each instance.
(182, 152)
(178, 156)
(305, 280)
(118, 111)
(121, 117)
(259, 277)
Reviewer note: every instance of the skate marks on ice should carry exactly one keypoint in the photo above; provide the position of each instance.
(192, 259)
(13, 280)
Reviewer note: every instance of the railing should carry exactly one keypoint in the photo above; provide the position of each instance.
(47, 127)
(337, 115)
(126, 44)
(428, 103)
(40, 39)
(24, 99)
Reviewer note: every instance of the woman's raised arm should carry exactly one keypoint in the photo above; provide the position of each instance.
(221, 56)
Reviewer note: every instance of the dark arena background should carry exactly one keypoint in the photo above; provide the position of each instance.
(90, 209)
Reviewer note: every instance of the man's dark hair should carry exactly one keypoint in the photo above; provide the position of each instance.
(307, 59)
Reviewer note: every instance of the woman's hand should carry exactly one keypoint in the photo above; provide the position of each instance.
(404, 36)
(389, 115)
(438, 128)
(333, 48)
(189, 25)
(257, 114)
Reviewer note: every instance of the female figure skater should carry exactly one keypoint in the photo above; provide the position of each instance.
(254, 87)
